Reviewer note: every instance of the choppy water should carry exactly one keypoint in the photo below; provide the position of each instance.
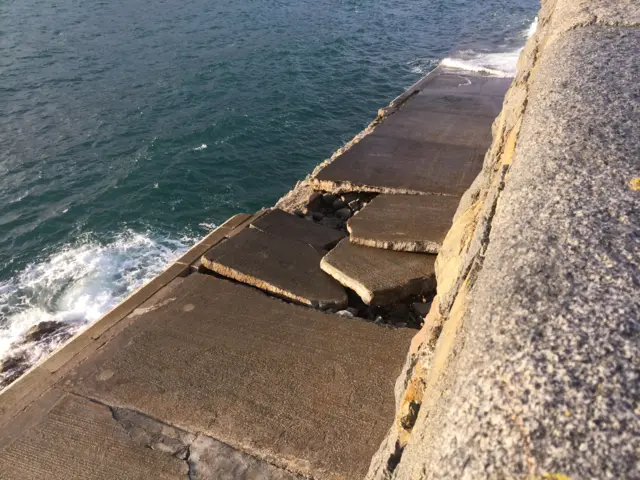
(130, 128)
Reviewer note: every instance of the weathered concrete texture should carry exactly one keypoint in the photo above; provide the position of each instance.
(63, 436)
(80, 439)
(210, 459)
(541, 346)
(282, 224)
(410, 223)
(300, 389)
(380, 277)
(282, 266)
(426, 146)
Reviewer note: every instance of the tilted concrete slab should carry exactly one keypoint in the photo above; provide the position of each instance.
(298, 388)
(410, 223)
(280, 223)
(282, 266)
(434, 143)
(380, 276)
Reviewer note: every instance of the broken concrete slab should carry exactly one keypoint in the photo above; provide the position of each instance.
(282, 224)
(409, 223)
(378, 276)
(278, 265)
(298, 388)
(434, 143)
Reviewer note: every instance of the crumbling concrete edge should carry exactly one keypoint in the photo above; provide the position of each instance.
(426, 376)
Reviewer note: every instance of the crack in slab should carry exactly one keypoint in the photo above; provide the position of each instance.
(204, 456)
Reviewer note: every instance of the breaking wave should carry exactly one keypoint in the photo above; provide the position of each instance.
(76, 285)
(502, 64)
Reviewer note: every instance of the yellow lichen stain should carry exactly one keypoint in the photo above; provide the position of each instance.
(510, 144)
(554, 476)
(454, 246)
(635, 184)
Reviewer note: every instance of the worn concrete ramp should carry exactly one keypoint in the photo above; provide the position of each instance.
(279, 265)
(302, 390)
(409, 223)
(434, 143)
(380, 277)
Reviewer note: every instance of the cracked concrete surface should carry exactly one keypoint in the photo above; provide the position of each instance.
(84, 438)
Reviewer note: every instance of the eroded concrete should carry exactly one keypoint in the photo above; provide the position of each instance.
(409, 223)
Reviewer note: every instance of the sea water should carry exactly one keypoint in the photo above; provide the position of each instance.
(129, 128)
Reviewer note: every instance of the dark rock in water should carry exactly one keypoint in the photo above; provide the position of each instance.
(329, 198)
(42, 330)
(317, 216)
(12, 368)
(12, 363)
(343, 213)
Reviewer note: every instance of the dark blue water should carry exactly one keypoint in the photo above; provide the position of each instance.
(129, 128)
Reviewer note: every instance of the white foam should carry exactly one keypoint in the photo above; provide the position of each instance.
(500, 64)
(77, 284)
(201, 147)
(532, 28)
(496, 64)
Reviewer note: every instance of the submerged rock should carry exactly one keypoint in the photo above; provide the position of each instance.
(42, 330)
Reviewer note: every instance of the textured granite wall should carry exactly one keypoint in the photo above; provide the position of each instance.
(529, 362)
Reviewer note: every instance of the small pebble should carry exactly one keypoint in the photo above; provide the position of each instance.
(299, 213)
(317, 216)
(378, 320)
(353, 310)
(345, 313)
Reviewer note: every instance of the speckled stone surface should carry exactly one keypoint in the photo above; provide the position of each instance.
(547, 379)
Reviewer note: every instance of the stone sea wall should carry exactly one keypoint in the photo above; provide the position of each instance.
(528, 365)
